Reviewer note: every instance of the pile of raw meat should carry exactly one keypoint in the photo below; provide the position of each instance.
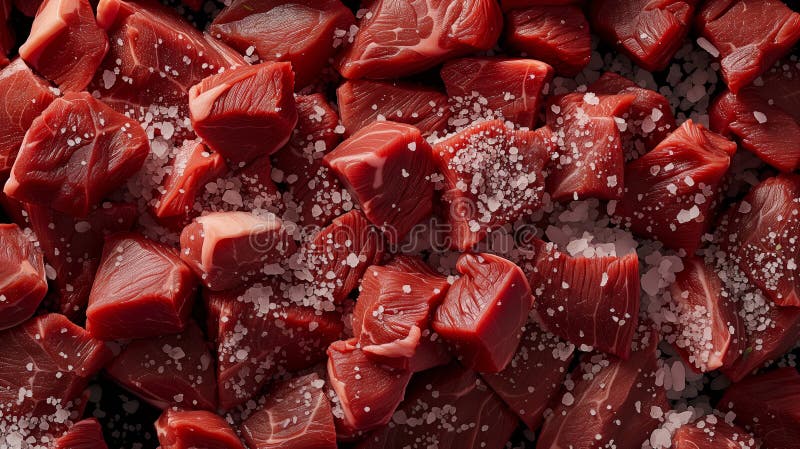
(404, 224)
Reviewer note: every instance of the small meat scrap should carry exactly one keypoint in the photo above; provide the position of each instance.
(193, 166)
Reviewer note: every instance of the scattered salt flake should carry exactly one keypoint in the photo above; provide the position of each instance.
(760, 116)
(706, 45)
(568, 399)
(685, 216)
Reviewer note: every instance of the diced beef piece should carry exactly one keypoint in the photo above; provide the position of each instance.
(557, 35)
(672, 191)
(227, 249)
(25, 96)
(361, 102)
(193, 166)
(611, 403)
(169, 370)
(22, 278)
(183, 429)
(297, 414)
(493, 175)
(75, 153)
(303, 32)
(65, 45)
(400, 38)
(50, 360)
(387, 167)
(368, 392)
(246, 112)
(534, 376)
(510, 89)
(708, 331)
(141, 289)
(712, 432)
(86, 434)
(747, 52)
(650, 32)
(590, 301)
(449, 407)
(484, 312)
(395, 305)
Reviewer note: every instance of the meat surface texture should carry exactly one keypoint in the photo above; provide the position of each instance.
(712, 432)
(193, 166)
(86, 434)
(180, 429)
(22, 277)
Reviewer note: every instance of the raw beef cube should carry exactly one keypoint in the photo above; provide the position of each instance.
(397, 38)
(75, 153)
(50, 360)
(534, 376)
(650, 32)
(225, 115)
(672, 191)
(169, 370)
(227, 249)
(557, 35)
(712, 432)
(303, 32)
(484, 312)
(368, 392)
(22, 278)
(747, 52)
(141, 289)
(194, 166)
(25, 96)
(395, 305)
(590, 301)
(610, 404)
(297, 414)
(708, 331)
(361, 102)
(449, 407)
(378, 155)
(511, 89)
(184, 429)
(493, 175)
(65, 45)
(86, 434)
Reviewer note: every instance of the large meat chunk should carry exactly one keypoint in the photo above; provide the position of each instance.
(296, 414)
(493, 175)
(65, 45)
(590, 301)
(387, 166)
(193, 166)
(672, 191)
(182, 429)
(75, 153)
(745, 52)
(141, 289)
(484, 312)
(303, 32)
(712, 432)
(246, 112)
(397, 38)
(22, 278)
(86, 434)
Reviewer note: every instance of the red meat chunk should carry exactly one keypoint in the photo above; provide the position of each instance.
(395, 305)
(141, 289)
(493, 176)
(712, 432)
(449, 407)
(194, 166)
(232, 124)
(534, 376)
(72, 170)
(317, 29)
(361, 102)
(226, 249)
(86, 434)
(557, 35)
(747, 52)
(672, 191)
(22, 278)
(483, 314)
(400, 38)
(65, 45)
(297, 414)
(368, 392)
(511, 89)
(184, 429)
(378, 155)
(590, 301)
(650, 32)
(25, 96)
(169, 370)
